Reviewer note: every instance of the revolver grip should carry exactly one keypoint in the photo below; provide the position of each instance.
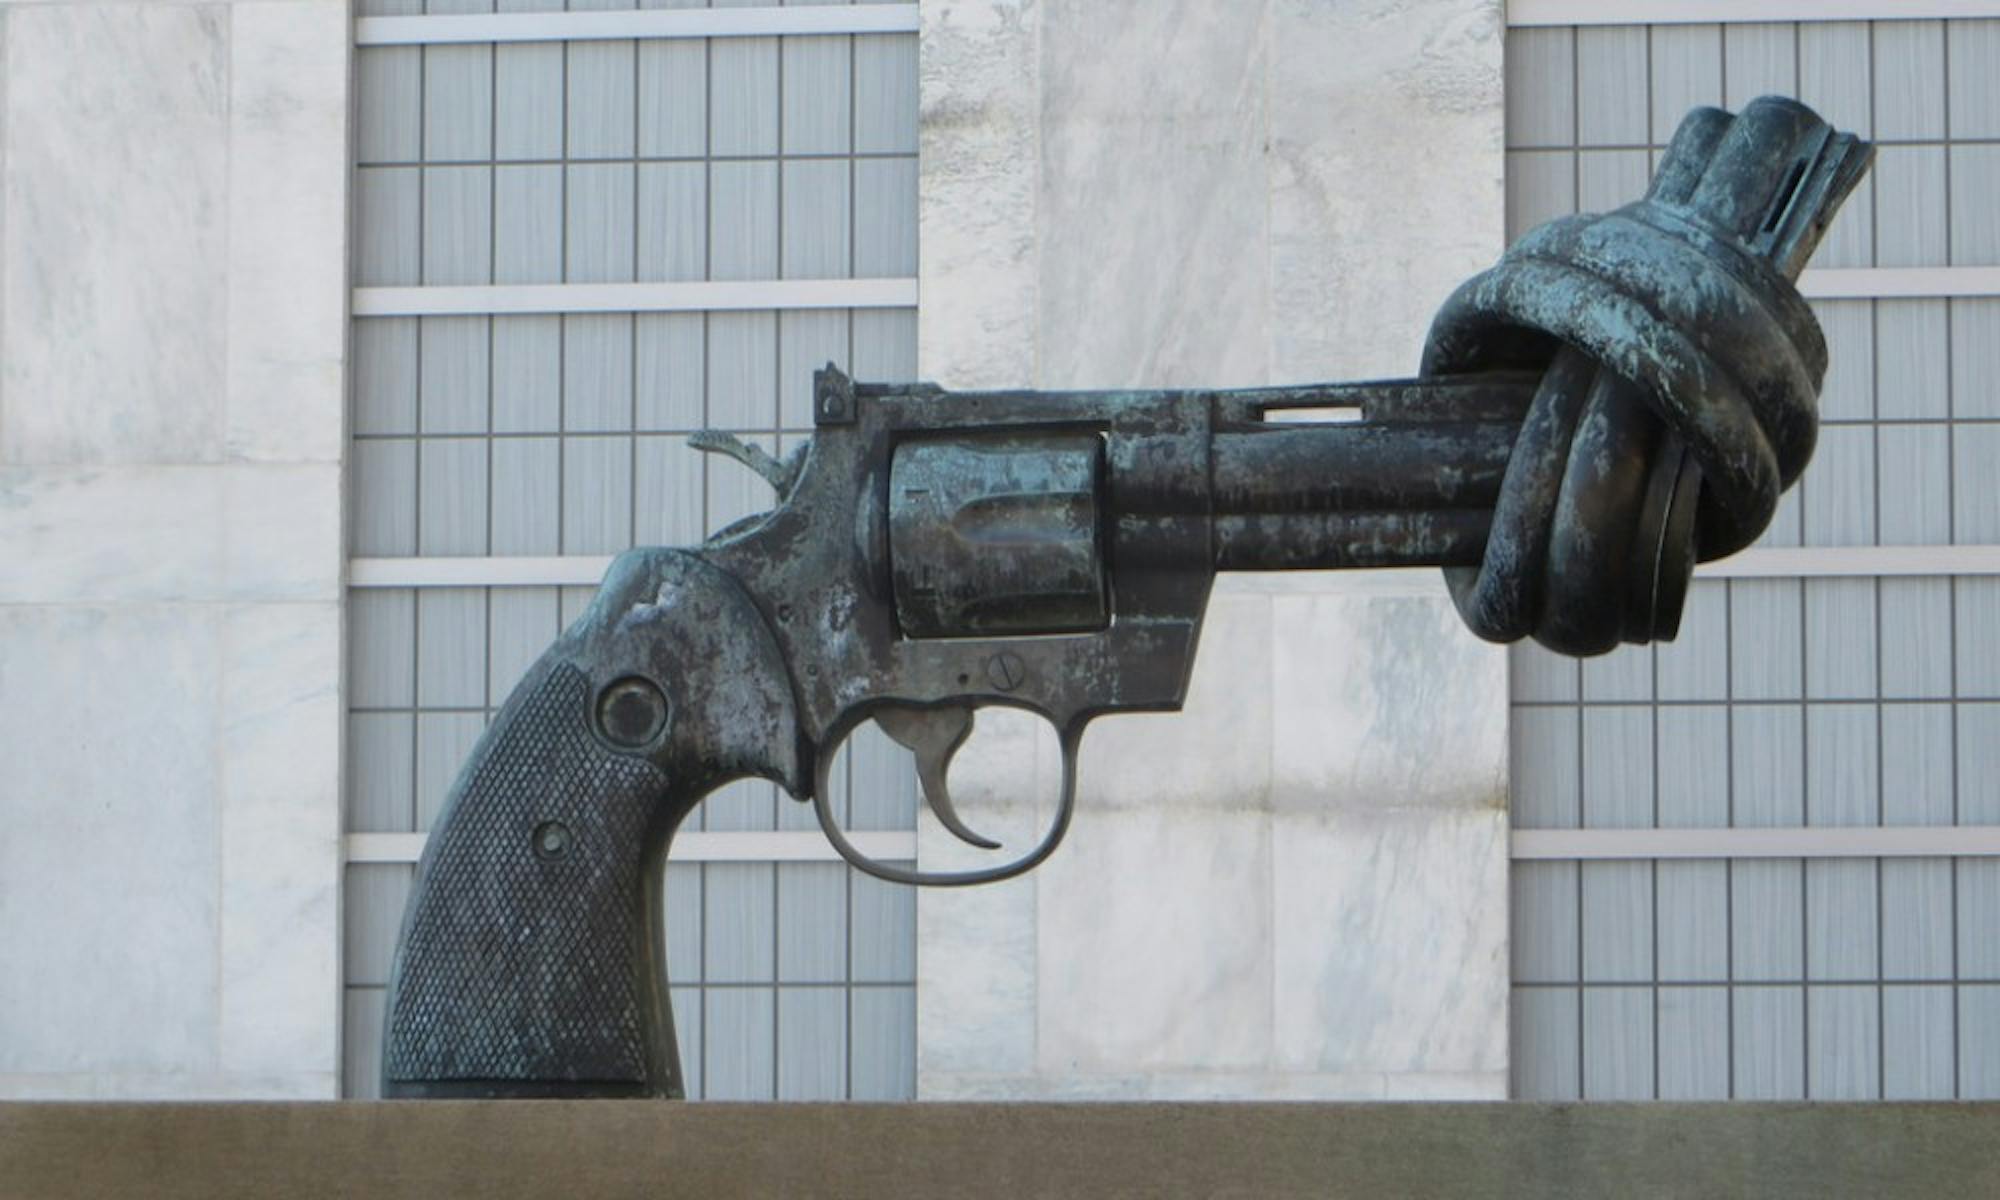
(531, 961)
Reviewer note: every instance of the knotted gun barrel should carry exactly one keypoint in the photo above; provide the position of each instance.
(1621, 396)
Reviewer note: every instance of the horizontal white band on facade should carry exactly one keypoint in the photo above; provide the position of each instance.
(1898, 283)
(752, 846)
(1777, 563)
(1819, 562)
(1857, 283)
(768, 21)
(700, 296)
(1521, 13)
(553, 571)
(1897, 841)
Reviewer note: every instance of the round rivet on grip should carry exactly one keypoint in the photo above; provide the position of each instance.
(551, 839)
(632, 712)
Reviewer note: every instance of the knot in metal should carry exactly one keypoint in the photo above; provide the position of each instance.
(1680, 374)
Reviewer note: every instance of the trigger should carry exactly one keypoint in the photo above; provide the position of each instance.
(933, 735)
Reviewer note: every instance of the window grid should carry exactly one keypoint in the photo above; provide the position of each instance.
(1786, 702)
(546, 435)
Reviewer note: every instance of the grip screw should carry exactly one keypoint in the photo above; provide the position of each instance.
(552, 839)
(632, 712)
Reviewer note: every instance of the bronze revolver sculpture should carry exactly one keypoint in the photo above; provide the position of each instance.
(1620, 397)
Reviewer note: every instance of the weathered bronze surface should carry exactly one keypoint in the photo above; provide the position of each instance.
(1622, 396)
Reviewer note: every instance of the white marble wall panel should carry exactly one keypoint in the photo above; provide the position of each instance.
(172, 347)
(1297, 887)
(979, 136)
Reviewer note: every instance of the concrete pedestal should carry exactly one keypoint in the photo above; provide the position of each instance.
(614, 1148)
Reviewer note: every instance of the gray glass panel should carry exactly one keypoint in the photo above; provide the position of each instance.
(385, 375)
(528, 225)
(1767, 1043)
(528, 101)
(812, 922)
(1545, 1027)
(381, 648)
(884, 931)
(885, 94)
(382, 761)
(1834, 72)
(1841, 909)
(883, 1027)
(1917, 918)
(602, 99)
(1611, 70)
(1618, 767)
(388, 82)
(1694, 1044)
(1759, 60)
(1617, 909)
(673, 99)
(451, 648)
(1918, 1051)
(372, 896)
(383, 498)
(1693, 920)
(1974, 102)
(1843, 769)
(444, 740)
(743, 96)
(1766, 919)
(458, 103)
(739, 1044)
(1687, 71)
(1909, 80)
(1979, 1042)
(739, 923)
(1545, 764)
(1618, 1050)
(1843, 1043)
(1546, 935)
(812, 1043)
(817, 107)
(1538, 114)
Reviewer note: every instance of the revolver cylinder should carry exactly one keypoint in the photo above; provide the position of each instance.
(998, 535)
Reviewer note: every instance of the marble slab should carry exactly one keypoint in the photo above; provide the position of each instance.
(1295, 888)
(109, 870)
(172, 400)
(287, 263)
(115, 245)
(183, 534)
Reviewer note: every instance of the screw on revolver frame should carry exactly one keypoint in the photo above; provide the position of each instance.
(1005, 670)
(632, 712)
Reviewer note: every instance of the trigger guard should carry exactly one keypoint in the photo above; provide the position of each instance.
(1069, 741)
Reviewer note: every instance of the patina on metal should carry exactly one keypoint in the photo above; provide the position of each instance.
(1620, 397)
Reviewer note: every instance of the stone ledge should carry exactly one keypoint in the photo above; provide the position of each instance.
(612, 1148)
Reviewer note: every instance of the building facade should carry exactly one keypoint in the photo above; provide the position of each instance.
(343, 347)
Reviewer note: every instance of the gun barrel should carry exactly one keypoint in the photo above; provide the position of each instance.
(1411, 484)
(1360, 466)
(1446, 537)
